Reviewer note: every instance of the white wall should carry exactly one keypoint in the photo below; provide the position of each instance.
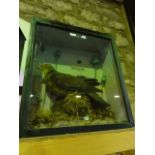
(25, 27)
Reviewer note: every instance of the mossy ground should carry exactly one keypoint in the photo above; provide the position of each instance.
(72, 111)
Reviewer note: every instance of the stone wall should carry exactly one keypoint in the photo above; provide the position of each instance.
(100, 15)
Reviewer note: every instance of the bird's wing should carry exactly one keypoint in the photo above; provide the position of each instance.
(69, 82)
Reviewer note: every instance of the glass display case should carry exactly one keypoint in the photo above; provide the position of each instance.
(73, 82)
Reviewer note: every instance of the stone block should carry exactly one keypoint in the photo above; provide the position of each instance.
(58, 5)
(26, 7)
(62, 6)
(117, 10)
(90, 16)
(106, 29)
(88, 26)
(130, 57)
(85, 4)
(116, 25)
(47, 2)
(39, 10)
(121, 41)
(109, 13)
(99, 3)
(104, 19)
(50, 14)
(129, 83)
(74, 21)
(70, 19)
(75, 1)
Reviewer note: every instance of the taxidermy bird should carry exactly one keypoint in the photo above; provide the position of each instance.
(59, 85)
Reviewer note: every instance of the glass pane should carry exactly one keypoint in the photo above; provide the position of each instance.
(74, 81)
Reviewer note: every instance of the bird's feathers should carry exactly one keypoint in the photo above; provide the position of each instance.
(58, 85)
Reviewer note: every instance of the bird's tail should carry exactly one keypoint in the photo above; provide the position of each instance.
(97, 100)
(93, 82)
(90, 81)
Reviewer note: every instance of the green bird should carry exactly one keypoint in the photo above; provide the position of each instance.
(59, 85)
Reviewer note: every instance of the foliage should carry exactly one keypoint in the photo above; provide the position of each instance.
(73, 107)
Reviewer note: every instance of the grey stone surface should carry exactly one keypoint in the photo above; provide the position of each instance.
(99, 9)
(58, 5)
(70, 19)
(104, 20)
(90, 16)
(50, 14)
(86, 5)
(121, 41)
(39, 10)
(110, 13)
(25, 7)
(118, 10)
(74, 21)
(89, 26)
(99, 3)
(106, 29)
(75, 1)
(116, 25)
(130, 57)
(47, 2)
(129, 82)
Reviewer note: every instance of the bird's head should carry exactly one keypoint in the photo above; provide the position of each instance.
(45, 68)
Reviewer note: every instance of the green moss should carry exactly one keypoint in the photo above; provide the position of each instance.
(75, 109)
